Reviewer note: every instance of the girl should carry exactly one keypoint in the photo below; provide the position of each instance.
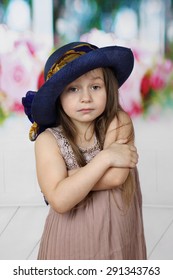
(85, 156)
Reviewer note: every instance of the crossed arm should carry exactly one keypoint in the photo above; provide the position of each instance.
(107, 170)
(119, 133)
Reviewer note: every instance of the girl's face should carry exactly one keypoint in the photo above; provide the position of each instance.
(84, 99)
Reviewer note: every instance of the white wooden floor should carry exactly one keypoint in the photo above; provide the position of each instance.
(21, 228)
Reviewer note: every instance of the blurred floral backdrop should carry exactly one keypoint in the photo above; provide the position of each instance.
(144, 26)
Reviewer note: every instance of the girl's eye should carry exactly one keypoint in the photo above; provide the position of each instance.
(72, 89)
(95, 87)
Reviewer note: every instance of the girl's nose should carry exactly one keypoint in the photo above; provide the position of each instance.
(86, 96)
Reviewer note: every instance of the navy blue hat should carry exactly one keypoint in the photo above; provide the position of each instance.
(59, 71)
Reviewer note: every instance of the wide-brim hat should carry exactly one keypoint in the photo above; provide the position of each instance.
(40, 106)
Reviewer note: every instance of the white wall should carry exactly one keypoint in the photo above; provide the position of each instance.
(154, 140)
(18, 183)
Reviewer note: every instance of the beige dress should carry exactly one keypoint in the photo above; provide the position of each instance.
(98, 228)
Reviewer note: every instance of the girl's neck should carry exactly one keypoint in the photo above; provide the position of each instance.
(85, 136)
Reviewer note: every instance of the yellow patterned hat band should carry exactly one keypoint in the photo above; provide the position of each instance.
(54, 65)
(67, 57)
(34, 131)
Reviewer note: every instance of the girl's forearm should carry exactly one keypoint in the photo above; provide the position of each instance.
(112, 178)
(73, 189)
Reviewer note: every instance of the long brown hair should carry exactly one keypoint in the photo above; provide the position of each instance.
(101, 125)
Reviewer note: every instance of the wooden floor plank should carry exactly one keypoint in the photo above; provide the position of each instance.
(6, 214)
(33, 254)
(156, 220)
(164, 248)
(22, 233)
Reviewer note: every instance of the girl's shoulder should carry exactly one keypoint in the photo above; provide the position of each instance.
(120, 119)
(57, 133)
(121, 127)
(49, 137)
(123, 116)
(46, 146)
(54, 140)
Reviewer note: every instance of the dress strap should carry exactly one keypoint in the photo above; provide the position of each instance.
(65, 147)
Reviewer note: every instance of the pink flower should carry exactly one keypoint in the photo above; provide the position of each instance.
(28, 44)
(145, 85)
(165, 66)
(135, 110)
(157, 81)
(130, 97)
(19, 73)
(17, 107)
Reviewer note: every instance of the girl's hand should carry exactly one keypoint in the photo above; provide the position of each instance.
(122, 155)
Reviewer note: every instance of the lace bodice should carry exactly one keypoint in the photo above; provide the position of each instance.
(67, 152)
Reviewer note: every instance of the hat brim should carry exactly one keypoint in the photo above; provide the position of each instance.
(119, 59)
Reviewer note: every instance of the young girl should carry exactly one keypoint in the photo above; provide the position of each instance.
(85, 156)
